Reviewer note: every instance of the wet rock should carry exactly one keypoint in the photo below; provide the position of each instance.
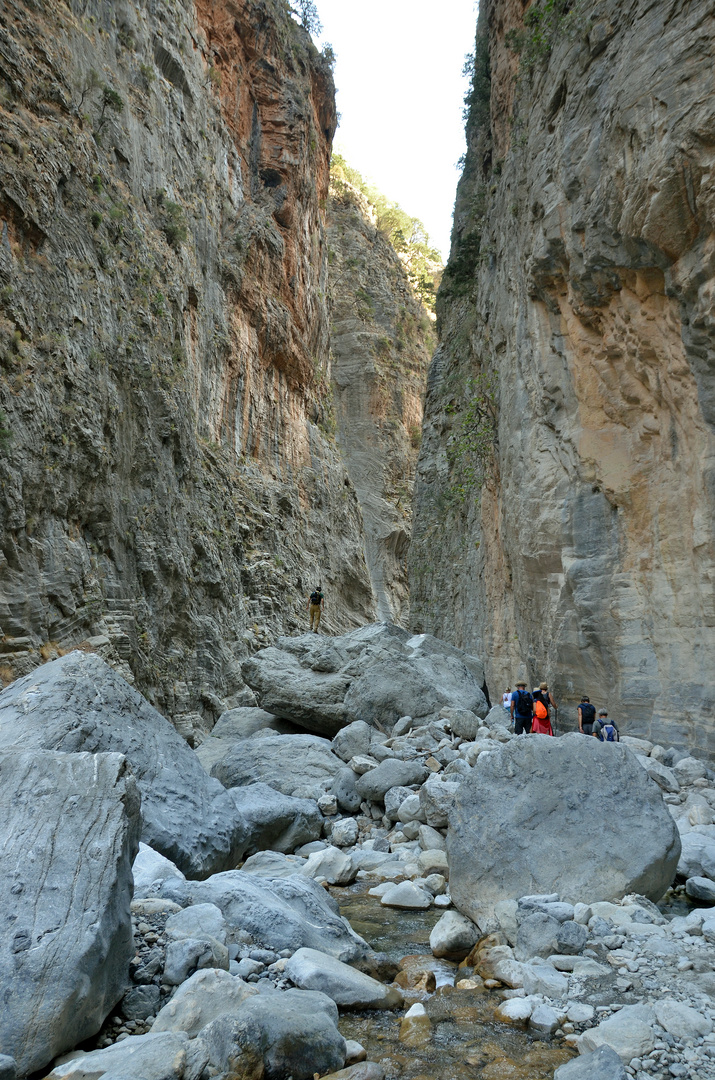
(494, 816)
(389, 774)
(286, 763)
(366, 1070)
(200, 1000)
(79, 703)
(313, 970)
(70, 833)
(415, 1029)
(453, 936)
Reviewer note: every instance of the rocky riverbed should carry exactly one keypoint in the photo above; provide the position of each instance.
(417, 896)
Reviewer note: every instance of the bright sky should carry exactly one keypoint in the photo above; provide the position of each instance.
(400, 94)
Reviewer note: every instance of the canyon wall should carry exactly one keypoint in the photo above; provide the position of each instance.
(381, 337)
(573, 539)
(170, 484)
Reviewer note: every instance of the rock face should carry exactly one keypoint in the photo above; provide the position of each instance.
(580, 279)
(70, 834)
(163, 265)
(78, 703)
(540, 813)
(381, 339)
(376, 674)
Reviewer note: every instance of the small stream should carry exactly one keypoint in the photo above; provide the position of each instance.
(462, 1041)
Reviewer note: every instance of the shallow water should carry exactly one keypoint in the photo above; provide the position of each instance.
(463, 1041)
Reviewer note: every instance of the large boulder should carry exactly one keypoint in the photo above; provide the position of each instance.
(199, 1000)
(70, 831)
(288, 763)
(390, 773)
(571, 814)
(313, 970)
(275, 821)
(156, 1056)
(376, 674)
(279, 913)
(277, 1035)
(79, 703)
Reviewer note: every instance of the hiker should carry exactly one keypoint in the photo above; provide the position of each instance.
(315, 606)
(586, 715)
(521, 709)
(604, 729)
(541, 724)
(506, 699)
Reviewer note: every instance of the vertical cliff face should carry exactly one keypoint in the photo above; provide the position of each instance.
(581, 277)
(381, 345)
(169, 485)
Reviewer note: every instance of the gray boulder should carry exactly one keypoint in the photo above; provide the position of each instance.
(168, 1055)
(150, 870)
(278, 1035)
(353, 740)
(697, 856)
(185, 956)
(347, 795)
(140, 1002)
(275, 821)
(70, 825)
(664, 777)
(287, 763)
(8, 1067)
(279, 913)
(524, 822)
(453, 936)
(537, 936)
(601, 1064)
(393, 799)
(199, 920)
(701, 888)
(287, 688)
(390, 773)
(312, 970)
(375, 674)
(202, 998)
(79, 703)
(437, 800)
(462, 722)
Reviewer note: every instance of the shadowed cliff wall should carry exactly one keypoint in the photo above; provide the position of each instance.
(582, 274)
(168, 482)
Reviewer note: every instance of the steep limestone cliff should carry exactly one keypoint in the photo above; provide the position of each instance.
(581, 276)
(382, 339)
(168, 483)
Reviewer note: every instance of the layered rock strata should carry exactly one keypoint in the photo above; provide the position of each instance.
(381, 337)
(581, 277)
(169, 485)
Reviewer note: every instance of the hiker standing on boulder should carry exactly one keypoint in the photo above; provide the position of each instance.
(506, 698)
(586, 716)
(521, 709)
(316, 604)
(604, 729)
(541, 724)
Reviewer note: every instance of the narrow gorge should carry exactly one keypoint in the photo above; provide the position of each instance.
(249, 835)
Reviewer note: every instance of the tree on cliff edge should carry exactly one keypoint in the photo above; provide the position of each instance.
(307, 12)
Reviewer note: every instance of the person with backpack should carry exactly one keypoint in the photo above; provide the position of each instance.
(316, 605)
(521, 709)
(506, 698)
(604, 729)
(586, 716)
(541, 724)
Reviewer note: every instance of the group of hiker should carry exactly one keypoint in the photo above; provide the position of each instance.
(531, 713)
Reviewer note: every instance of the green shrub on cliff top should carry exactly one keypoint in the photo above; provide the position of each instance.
(406, 234)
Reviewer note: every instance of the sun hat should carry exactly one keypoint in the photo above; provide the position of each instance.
(543, 686)
(520, 682)
(603, 712)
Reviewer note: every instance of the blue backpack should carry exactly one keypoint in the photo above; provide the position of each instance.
(608, 733)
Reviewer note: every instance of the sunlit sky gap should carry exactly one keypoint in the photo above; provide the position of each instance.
(400, 93)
